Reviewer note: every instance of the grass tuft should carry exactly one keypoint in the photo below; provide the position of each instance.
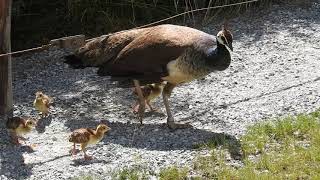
(173, 173)
(134, 173)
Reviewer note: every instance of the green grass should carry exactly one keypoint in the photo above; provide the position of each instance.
(287, 148)
(138, 173)
(213, 143)
(173, 173)
(134, 173)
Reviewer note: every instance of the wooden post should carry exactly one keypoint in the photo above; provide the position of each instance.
(6, 107)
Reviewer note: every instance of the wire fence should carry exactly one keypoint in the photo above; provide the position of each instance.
(78, 40)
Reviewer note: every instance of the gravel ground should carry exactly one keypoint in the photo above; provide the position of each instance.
(274, 72)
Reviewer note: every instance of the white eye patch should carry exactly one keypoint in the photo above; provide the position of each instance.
(219, 37)
(220, 40)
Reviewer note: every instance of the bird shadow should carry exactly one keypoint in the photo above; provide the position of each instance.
(12, 164)
(12, 161)
(26, 148)
(43, 123)
(81, 162)
(159, 137)
(50, 160)
(154, 114)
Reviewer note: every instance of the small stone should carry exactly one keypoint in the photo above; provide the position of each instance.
(82, 113)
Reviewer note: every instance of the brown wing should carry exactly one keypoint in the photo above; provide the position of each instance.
(141, 54)
(14, 122)
(91, 131)
(146, 56)
(102, 49)
(47, 100)
(80, 135)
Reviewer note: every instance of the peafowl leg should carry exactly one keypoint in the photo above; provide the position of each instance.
(170, 120)
(141, 100)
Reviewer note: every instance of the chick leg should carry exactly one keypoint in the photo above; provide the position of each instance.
(135, 108)
(83, 148)
(22, 139)
(148, 104)
(42, 114)
(141, 100)
(73, 150)
(46, 113)
(170, 120)
(15, 138)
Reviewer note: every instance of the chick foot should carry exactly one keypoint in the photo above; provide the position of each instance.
(73, 152)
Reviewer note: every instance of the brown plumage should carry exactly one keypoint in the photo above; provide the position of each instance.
(87, 136)
(19, 126)
(42, 103)
(150, 92)
(171, 53)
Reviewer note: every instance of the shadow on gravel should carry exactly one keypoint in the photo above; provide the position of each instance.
(159, 136)
(299, 15)
(12, 162)
(43, 123)
(225, 106)
(154, 114)
(81, 162)
(53, 159)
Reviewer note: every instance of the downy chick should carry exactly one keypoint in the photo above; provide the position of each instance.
(150, 92)
(19, 126)
(42, 103)
(86, 136)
